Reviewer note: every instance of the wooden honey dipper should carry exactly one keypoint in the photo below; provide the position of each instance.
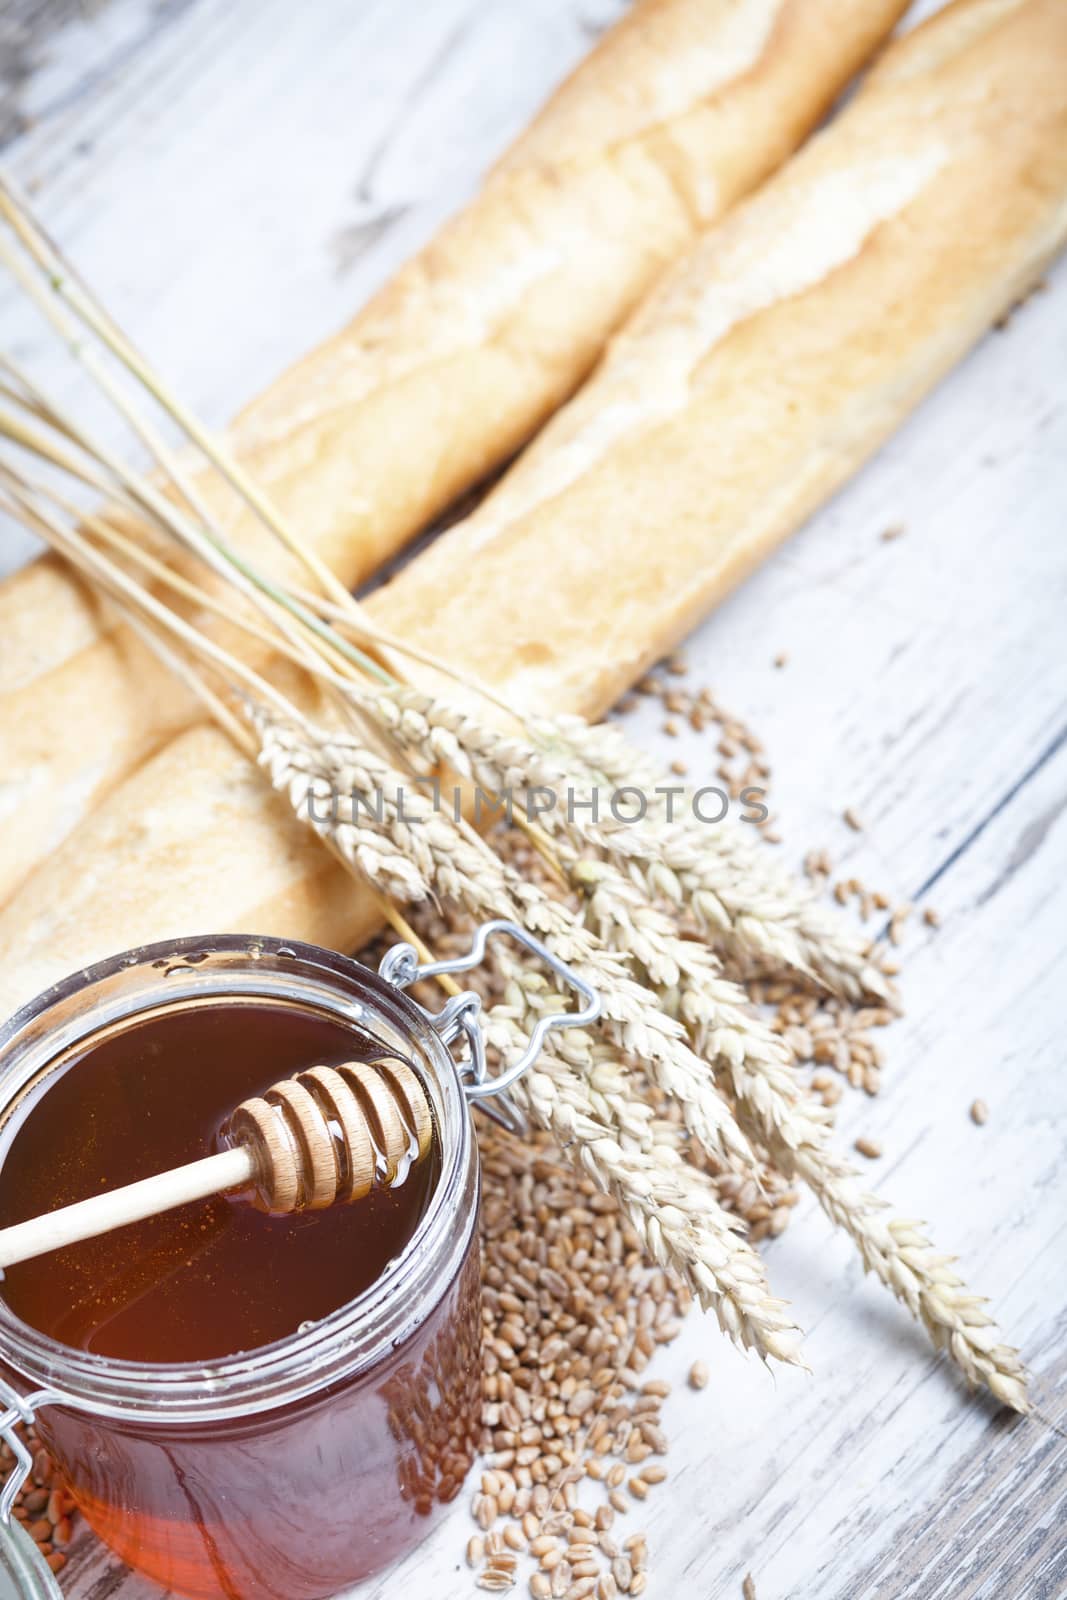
(326, 1135)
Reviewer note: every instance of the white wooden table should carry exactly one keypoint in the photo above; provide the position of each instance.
(235, 178)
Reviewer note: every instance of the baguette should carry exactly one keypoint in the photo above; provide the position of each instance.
(684, 107)
(750, 386)
(792, 339)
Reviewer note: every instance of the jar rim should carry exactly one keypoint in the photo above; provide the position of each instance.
(339, 1345)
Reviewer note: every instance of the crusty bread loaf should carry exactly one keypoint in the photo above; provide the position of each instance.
(193, 833)
(682, 108)
(795, 337)
(769, 363)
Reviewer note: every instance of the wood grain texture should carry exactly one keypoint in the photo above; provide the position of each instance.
(991, 1527)
(926, 685)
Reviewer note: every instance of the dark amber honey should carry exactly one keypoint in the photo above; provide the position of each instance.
(290, 1502)
(215, 1277)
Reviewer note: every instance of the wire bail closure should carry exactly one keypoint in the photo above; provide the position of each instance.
(461, 1014)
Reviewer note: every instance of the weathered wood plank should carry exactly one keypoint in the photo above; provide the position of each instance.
(270, 164)
(995, 1526)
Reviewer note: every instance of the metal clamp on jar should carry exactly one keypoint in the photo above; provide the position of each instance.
(292, 1470)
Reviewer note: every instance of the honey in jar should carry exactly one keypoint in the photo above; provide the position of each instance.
(246, 1406)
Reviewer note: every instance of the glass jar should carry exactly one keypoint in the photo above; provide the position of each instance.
(292, 1471)
(302, 1467)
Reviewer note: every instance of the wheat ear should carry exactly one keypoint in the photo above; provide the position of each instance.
(750, 1059)
(672, 1207)
(450, 860)
(898, 1253)
(742, 900)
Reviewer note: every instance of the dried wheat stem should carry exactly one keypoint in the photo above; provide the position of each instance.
(58, 281)
(637, 1024)
(793, 1128)
(392, 855)
(722, 1024)
(773, 1109)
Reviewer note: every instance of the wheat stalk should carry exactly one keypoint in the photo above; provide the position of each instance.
(742, 1051)
(716, 1012)
(898, 1253)
(454, 862)
(737, 894)
(751, 1065)
(672, 1207)
(740, 897)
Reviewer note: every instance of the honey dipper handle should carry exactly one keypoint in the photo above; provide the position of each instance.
(230, 1169)
(329, 1134)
